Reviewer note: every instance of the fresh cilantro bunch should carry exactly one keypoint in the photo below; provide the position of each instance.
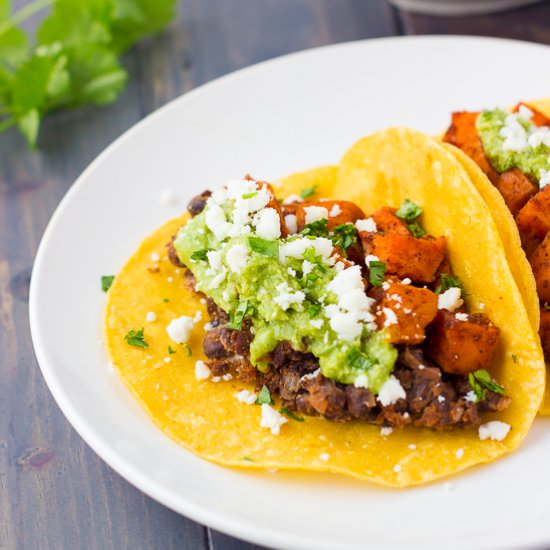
(73, 60)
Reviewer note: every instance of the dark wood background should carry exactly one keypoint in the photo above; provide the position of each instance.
(55, 493)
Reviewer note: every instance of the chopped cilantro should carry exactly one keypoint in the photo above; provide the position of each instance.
(317, 228)
(201, 254)
(171, 350)
(408, 211)
(308, 192)
(377, 270)
(187, 349)
(106, 282)
(416, 229)
(359, 360)
(248, 459)
(236, 318)
(250, 195)
(264, 397)
(166, 300)
(290, 414)
(264, 246)
(447, 282)
(514, 358)
(481, 381)
(311, 256)
(344, 236)
(314, 309)
(136, 338)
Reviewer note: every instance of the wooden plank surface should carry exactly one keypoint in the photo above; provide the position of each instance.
(55, 493)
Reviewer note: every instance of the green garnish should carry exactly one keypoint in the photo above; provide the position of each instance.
(408, 211)
(290, 414)
(171, 350)
(264, 246)
(481, 381)
(201, 254)
(106, 282)
(314, 309)
(359, 360)
(514, 358)
(166, 300)
(187, 349)
(317, 228)
(377, 270)
(237, 317)
(136, 338)
(308, 192)
(344, 236)
(74, 58)
(248, 459)
(447, 282)
(250, 195)
(416, 230)
(264, 397)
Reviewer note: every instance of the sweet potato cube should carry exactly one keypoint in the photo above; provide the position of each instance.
(516, 189)
(387, 222)
(544, 332)
(413, 308)
(338, 212)
(534, 220)
(460, 344)
(463, 134)
(540, 263)
(405, 255)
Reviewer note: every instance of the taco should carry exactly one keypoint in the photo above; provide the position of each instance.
(511, 149)
(352, 327)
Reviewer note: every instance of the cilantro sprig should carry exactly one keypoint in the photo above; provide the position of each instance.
(74, 57)
(290, 414)
(377, 270)
(318, 228)
(308, 192)
(409, 212)
(106, 282)
(201, 254)
(264, 397)
(237, 317)
(344, 236)
(447, 282)
(481, 381)
(265, 247)
(136, 338)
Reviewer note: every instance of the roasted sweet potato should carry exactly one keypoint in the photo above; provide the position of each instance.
(544, 332)
(516, 189)
(339, 212)
(538, 118)
(387, 222)
(540, 263)
(461, 346)
(405, 255)
(413, 308)
(534, 220)
(463, 134)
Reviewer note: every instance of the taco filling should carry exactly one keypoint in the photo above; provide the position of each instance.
(339, 314)
(513, 150)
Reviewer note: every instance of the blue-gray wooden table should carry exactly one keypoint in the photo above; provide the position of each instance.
(55, 493)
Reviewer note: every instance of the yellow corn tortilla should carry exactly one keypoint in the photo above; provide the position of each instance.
(206, 418)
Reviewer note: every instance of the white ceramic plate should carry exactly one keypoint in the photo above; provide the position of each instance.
(277, 117)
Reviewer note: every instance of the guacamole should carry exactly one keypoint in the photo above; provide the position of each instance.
(511, 140)
(289, 289)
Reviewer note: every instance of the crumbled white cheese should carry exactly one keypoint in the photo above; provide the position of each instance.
(272, 419)
(307, 267)
(246, 396)
(170, 279)
(371, 258)
(386, 430)
(471, 397)
(391, 391)
(216, 220)
(167, 359)
(202, 372)
(286, 296)
(316, 323)
(324, 457)
(544, 178)
(315, 213)
(495, 430)
(214, 259)
(412, 446)
(524, 113)
(391, 317)
(237, 258)
(216, 378)
(235, 189)
(198, 316)
(335, 211)
(268, 224)
(397, 468)
(293, 198)
(227, 377)
(461, 316)
(179, 329)
(155, 257)
(151, 317)
(406, 281)
(459, 453)
(366, 225)
(361, 381)
(295, 248)
(450, 299)
(514, 134)
(291, 225)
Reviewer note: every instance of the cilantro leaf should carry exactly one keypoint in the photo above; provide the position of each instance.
(377, 270)
(408, 211)
(290, 414)
(359, 360)
(236, 318)
(264, 397)
(416, 229)
(187, 349)
(201, 254)
(317, 228)
(136, 338)
(344, 236)
(447, 282)
(250, 195)
(481, 381)
(308, 192)
(171, 350)
(106, 282)
(265, 247)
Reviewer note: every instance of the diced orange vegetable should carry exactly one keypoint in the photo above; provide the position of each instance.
(387, 222)
(414, 308)
(534, 220)
(343, 212)
(463, 134)
(538, 118)
(461, 346)
(540, 263)
(405, 255)
(544, 332)
(516, 188)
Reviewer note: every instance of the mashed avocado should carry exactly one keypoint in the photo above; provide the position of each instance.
(511, 140)
(289, 290)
